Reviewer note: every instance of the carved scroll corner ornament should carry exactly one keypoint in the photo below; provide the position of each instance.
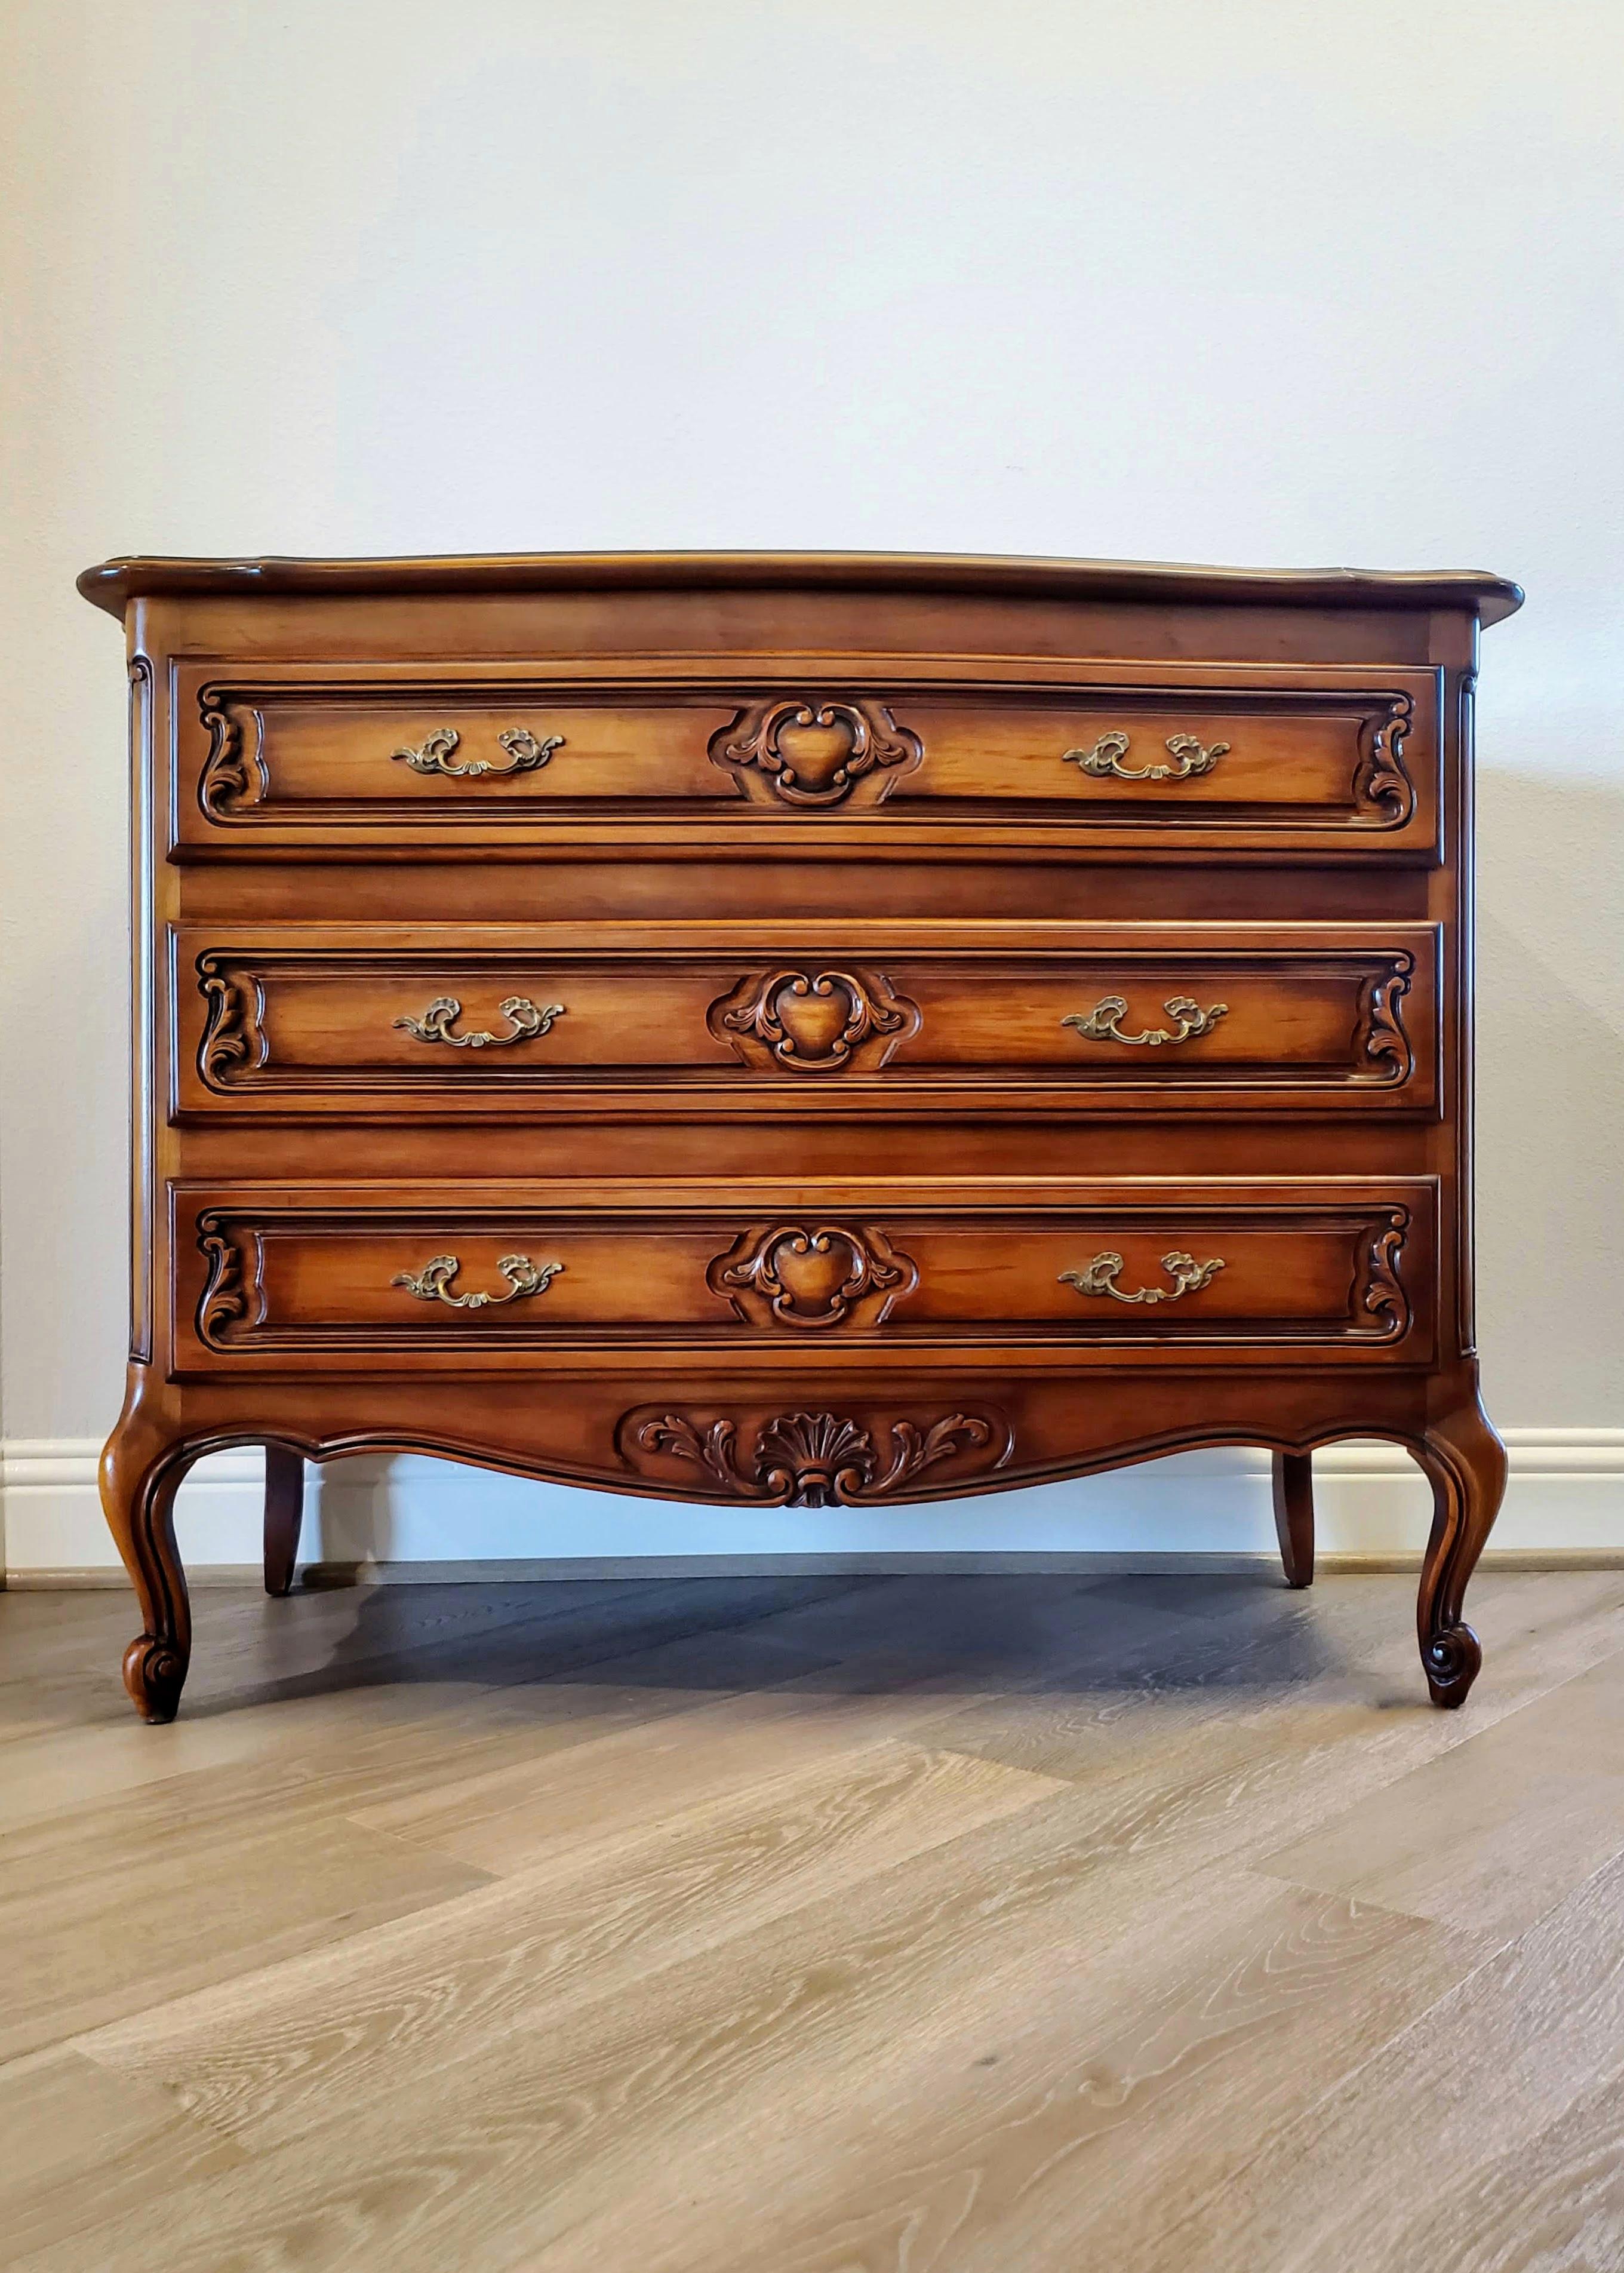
(1382, 782)
(1382, 1038)
(1106, 760)
(231, 777)
(1104, 1023)
(233, 1296)
(809, 751)
(1381, 1294)
(527, 1021)
(432, 1283)
(806, 1460)
(233, 1040)
(812, 1022)
(1100, 1278)
(527, 753)
(813, 1276)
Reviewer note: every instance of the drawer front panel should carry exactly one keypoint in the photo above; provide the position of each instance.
(1327, 757)
(823, 1018)
(1342, 1268)
(1149, 757)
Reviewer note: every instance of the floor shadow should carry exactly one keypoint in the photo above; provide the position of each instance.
(1117, 1634)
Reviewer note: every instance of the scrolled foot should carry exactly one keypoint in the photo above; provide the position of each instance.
(154, 1674)
(141, 1467)
(1466, 1462)
(1451, 1660)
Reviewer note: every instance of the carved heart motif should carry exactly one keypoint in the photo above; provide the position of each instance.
(813, 1273)
(809, 750)
(814, 1015)
(812, 1022)
(814, 747)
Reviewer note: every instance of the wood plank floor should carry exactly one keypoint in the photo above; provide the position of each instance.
(901, 1925)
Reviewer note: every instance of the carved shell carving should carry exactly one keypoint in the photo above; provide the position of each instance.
(810, 752)
(807, 1021)
(812, 1277)
(806, 1459)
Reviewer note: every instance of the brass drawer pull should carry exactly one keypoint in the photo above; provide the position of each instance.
(1188, 1277)
(528, 1022)
(1190, 757)
(433, 1282)
(1103, 1024)
(433, 754)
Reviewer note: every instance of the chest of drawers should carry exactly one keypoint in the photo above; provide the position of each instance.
(800, 1029)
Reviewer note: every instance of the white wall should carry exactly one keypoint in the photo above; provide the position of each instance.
(1264, 283)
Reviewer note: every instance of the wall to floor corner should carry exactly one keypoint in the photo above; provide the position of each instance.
(1262, 284)
(1565, 1499)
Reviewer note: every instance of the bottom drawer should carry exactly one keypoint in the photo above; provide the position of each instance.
(489, 1276)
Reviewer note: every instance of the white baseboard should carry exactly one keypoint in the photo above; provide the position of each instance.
(1564, 1504)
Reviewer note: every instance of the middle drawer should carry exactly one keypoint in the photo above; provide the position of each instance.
(974, 1018)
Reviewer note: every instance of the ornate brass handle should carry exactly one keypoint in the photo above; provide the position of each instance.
(528, 1022)
(1099, 1278)
(1103, 1024)
(432, 1283)
(433, 754)
(1190, 757)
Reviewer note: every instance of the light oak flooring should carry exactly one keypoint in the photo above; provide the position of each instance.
(1150, 1925)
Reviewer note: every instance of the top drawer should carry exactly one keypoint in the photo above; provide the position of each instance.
(678, 752)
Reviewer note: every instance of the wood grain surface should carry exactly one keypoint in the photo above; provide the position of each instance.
(937, 1925)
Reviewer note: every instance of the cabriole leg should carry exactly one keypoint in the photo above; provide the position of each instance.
(141, 1471)
(1466, 1462)
(284, 1511)
(1294, 1515)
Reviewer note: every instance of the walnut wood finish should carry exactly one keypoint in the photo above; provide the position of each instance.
(1331, 757)
(284, 1514)
(945, 1266)
(351, 1020)
(798, 1029)
(1293, 1478)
